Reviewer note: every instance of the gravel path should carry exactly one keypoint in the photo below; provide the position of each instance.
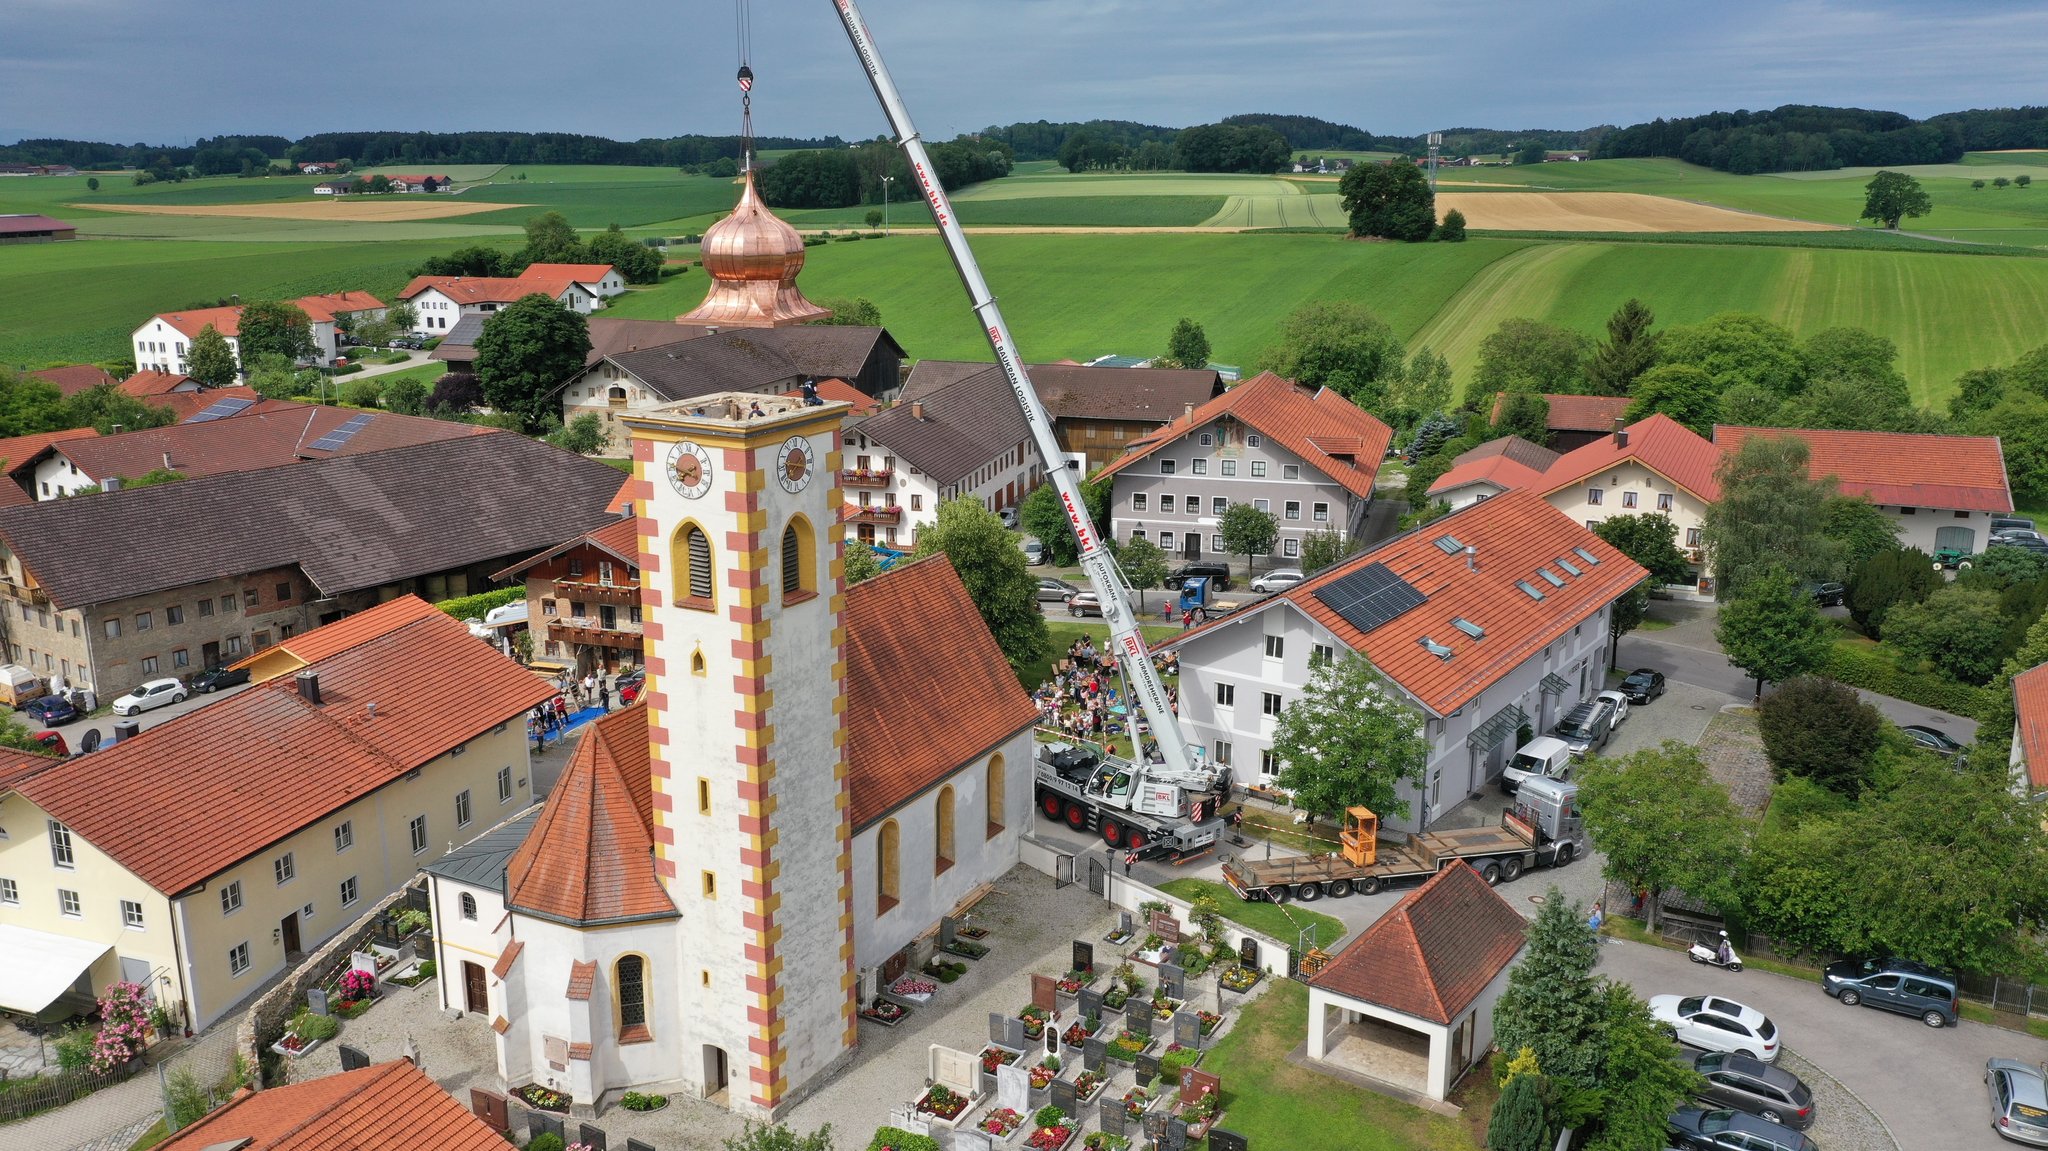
(1844, 1122)
(1734, 751)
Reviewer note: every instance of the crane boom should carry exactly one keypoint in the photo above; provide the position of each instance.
(1103, 574)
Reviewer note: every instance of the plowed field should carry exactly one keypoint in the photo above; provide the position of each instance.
(1606, 212)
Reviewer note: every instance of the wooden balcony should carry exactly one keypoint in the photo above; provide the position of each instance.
(874, 514)
(866, 477)
(585, 630)
(614, 594)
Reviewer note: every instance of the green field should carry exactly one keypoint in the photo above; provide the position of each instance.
(599, 203)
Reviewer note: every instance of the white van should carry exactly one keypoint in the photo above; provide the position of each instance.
(1545, 756)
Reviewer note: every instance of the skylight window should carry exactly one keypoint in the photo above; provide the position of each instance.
(1550, 577)
(1589, 557)
(1449, 545)
(1434, 648)
(1567, 566)
(1469, 628)
(1529, 589)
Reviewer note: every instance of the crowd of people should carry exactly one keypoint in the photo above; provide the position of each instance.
(1086, 698)
(550, 721)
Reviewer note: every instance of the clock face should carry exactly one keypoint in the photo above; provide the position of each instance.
(689, 469)
(793, 464)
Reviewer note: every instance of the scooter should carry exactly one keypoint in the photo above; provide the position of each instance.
(1701, 953)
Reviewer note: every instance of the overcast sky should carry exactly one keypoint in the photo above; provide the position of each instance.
(169, 71)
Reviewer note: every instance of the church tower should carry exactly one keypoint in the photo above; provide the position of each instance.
(738, 501)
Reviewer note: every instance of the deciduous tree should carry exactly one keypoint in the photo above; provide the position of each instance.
(212, 362)
(1629, 351)
(1348, 740)
(1857, 529)
(1821, 730)
(551, 239)
(1640, 1084)
(1188, 345)
(1338, 345)
(1738, 348)
(1856, 354)
(1772, 630)
(1043, 515)
(406, 396)
(1528, 356)
(636, 262)
(861, 562)
(1888, 578)
(583, 435)
(1144, 565)
(985, 555)
(1452, 230)
(1650, 539)
(275, 326)
(776, 1137)
(1663, 822)
(1524, 414)
(526, 352)
(1388, 201)
(1770, 514)
(1424, 387)
(1893, 196)
(1325, 546)
(858, 312)
(105, 407)
(1248, 532)
(1679, 391)
(1958, 629)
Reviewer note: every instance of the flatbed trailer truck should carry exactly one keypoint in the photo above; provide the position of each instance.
(1543, 829)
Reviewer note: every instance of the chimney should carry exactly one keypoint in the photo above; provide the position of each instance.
(1620, 433)
(1187, 411)
(916, 409)
(1471, 558)
(167, 461)
(370, 709)
(309, 687)
(126, 730)
(111, 484)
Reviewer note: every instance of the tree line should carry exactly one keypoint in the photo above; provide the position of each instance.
(1806, 138)
(845, 177)
(371, 148)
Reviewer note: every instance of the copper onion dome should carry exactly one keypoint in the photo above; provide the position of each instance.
(753, 259)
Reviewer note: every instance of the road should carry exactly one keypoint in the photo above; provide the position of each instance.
(1926, 1085)
(74, 732)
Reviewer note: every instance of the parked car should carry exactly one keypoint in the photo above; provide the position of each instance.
(1545, 755)
(1699, 1130)
(1747, 1084)
(1618, 700)
(2011, 535)
(2025, 543)
(1899, 985)
(629, 685)
(1052, 590)
(1931, 739)
(1828, 593)
(2009, 523)
(53, 742)
(217, 678)
(1585, 727)
(152, 694)
(1218, 573)
(1034, 551)
(2019, 1101)
(1712, 1023)
(1084, 603)
(50, 709)
(1279, 579)
(1008, 516)
(1643, 685)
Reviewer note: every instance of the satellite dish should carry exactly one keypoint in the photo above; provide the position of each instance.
(91, 742)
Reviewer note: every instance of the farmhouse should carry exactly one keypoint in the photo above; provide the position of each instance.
(1653, 465)
(583, 599)
(434, 183)
(1496, 466)
(1486, 620)
(966, 440)
(1097, 412)
(1575, 421)
(319, 795)
(164, 343)
(20, 228)
(1941, 491)
(334, 187)
(440, 301)
(242, 559)
(619, 943)
(1308, 457)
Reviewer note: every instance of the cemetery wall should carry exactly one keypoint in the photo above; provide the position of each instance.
(270, 1012)
(1129, 893)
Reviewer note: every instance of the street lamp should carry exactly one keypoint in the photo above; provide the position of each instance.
(886, 181)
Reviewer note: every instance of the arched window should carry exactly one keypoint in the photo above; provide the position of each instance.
(617, 395)
(996, 791)
(799, 561)
(943, 833)
(630, 978)
(690, 558)
(887, 849)
(468, 906)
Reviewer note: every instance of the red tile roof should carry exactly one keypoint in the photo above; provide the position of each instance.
(387, 1106)
(907, 629)
(488, 289)
(1329, 432)
(18, 222)
(1507, 463)
(581, 1050)
(2030, 704)
(1954, 473)
(1577, 413)
(589, 857)
(15, 765)
(72, 379)
(326, 306)
(1659, 443)
(1513, 536)
(226, 321)
(149, 383)
(507, 958)
(265, 763)
(832, 391)
(582, 978)
(581, 273)
(348, 632)
(620, 538)
(1433, 953)
(18, 450)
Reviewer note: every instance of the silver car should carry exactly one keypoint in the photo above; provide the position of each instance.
(1052, 590)
(2019, 1101)
(1279, 579)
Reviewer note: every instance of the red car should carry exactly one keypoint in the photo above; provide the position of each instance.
(53, 743)
(630, 685)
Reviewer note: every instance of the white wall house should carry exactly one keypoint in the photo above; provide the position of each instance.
(164, 343)
(1654, 465)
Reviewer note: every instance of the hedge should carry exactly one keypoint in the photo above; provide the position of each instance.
(897, 1139)
(475, 606)
(1875, 669)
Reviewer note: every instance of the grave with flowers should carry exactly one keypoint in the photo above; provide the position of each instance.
(955, 1085)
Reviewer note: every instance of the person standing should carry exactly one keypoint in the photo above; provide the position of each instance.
(1130, 857)
(604, 697)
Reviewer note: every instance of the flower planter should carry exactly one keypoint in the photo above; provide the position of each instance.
(885, 1013)
(910, 987)
(993, 1057)
(1240, 978)
(1053, 1138)
(950, 1108)
(970, 933)
(1089, 1085)
(965, 948)
(1000, 1123)
(542, 1099)
(306, 1049)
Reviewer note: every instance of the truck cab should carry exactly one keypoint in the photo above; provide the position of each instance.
(1545, 756)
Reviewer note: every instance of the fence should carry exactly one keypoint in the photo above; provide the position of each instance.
(20, 1098)
(201, 1075)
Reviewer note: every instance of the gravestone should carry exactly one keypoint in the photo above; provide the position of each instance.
(362, 961)
(590, 1136)
(1169, 953)
(544, 1123)
(953, 1069)
(1187, 1029)
(1052, 1036)
(1248, 952)
(948, 928)
(968, 1139)
(1165, 926)
(1084, 956)
(1174, 980)
(906, 1117)
(1224, 1139)
(1045, 992)
(1089, 1002)
(1176, 1136)
(996, 1030)
(1013, 1088)
(1013, 1033)
(636, 1145)
(1093, 1052)
(316, 1001)
(1155, 1127)
(1065, 1097)
(352, 1059)
(1194, 1083)
(1124, 926)
(489, 1106)
(1113, 1115)
(1138, 1018)
(1148, 1067)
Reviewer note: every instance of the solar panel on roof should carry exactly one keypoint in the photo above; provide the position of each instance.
(1449, 545)
(342, 435)
(1370, 596)
(1589, 557)
(221, 409)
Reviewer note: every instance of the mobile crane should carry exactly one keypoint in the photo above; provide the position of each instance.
(1140, 804)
